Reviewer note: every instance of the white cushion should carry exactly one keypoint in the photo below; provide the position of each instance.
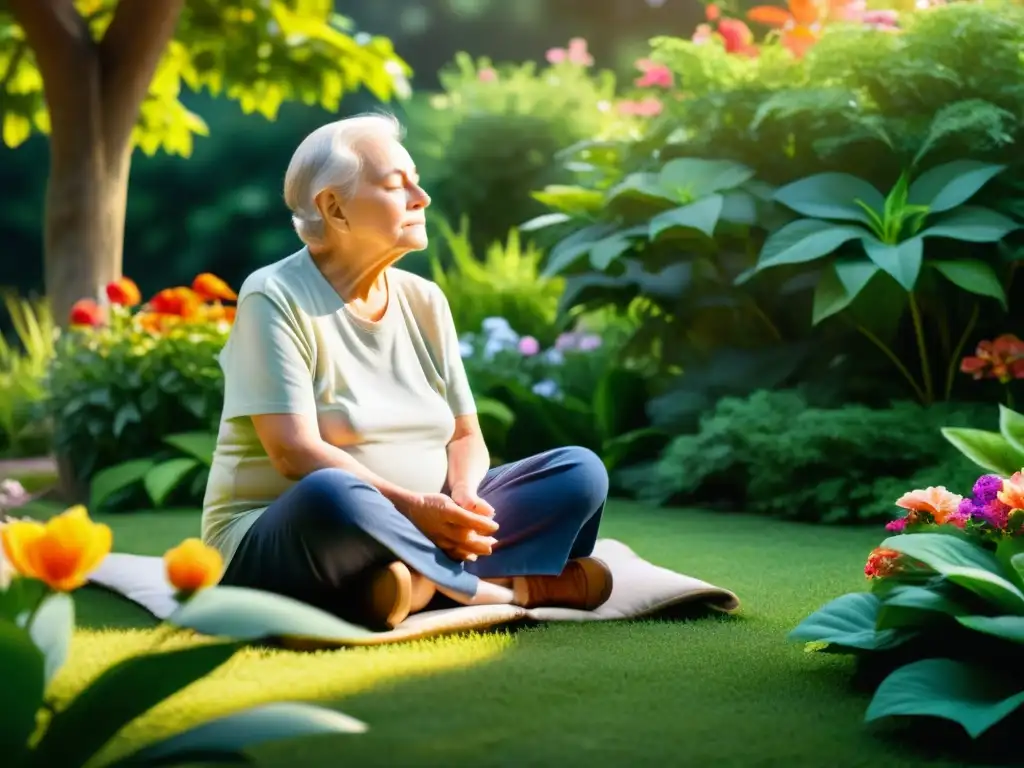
(640, 589)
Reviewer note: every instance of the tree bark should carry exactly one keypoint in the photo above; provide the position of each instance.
(93, 92)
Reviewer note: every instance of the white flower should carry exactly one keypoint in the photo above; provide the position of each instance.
(553, 356)
(499, 328)
(466, 347)
(12, 494)
(546, 388)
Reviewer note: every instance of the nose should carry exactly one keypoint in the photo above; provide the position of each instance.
(419, 199)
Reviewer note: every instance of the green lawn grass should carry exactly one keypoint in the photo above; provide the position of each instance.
(716, 691)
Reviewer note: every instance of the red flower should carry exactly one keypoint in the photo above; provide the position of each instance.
(87, 312)
(882, 562)
(124, 292)
(180, 302)
(212, 288)
(737, 36)
(1001, 359)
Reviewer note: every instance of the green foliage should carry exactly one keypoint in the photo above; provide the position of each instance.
(115, 392)
(954, 601)
(259, 54)
(505, 283)
(891, 231)
(947, 85)
(1001, 452)
(492, 135)
(774, 453)
(23, 430)
(177, 474)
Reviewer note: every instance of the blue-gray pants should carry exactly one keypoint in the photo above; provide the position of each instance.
(328, 533)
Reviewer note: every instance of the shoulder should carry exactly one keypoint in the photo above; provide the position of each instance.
(421, 293)
(278, 281)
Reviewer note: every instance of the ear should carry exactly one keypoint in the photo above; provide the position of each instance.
(331, 210)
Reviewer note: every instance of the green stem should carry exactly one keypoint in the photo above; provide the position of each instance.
(955, 356)
(895, 361)
(760, 313)
(922, 350)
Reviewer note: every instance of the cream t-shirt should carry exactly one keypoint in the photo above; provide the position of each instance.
(386, 392)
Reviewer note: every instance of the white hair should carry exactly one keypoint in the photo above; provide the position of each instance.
(330, 158)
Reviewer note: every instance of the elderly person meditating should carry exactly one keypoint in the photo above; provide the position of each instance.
(350, 471)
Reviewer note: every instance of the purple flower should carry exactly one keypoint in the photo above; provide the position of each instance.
(987, 488)
(896, 526)
(589, 343)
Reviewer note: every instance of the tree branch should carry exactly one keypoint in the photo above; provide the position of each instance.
(64, 52)
(129, 53)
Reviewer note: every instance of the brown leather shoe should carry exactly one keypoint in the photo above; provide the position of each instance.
(584, 584)
(389, 599)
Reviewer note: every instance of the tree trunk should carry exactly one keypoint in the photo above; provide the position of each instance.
(93, 91)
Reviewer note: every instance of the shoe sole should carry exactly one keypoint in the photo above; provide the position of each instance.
(596, 569)
(391, 595)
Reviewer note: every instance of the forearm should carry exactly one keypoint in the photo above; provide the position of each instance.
(323, 455)
(468, 462)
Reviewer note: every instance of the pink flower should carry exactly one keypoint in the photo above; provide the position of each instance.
(938, 502)
(702, 34)
(654, 74)
(649, 107)
(576, 53)
(896, 526)
(528, 346)
(487, 75)
(881, 19)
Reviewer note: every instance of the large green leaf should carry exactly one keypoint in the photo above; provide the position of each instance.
(52, 629)
(989, 450)
(119, 695)
(691, 178)
(229, 736)
(543, 221)
(249, 614)
(568, 251)
(972, 225)
(21, 689)
(109, 481)
(841, 282)
(946, 186)
(643, 186)
(1011, 427)
(1004, 627)
(702, 216)
(964, 563)
(911, 606)
(832, 196)
(849, 622)
(162, 479)
(973, 276)
(739, 207)
(901, 260)
(198, 445)
(974, 696)
(805, 240)
(576, 201)
(605, 251)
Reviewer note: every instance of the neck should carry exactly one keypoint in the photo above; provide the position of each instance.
(353, 278)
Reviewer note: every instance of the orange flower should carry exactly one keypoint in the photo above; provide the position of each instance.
(87, 312)
(936, 501)
(62, 552)
(180, 302)
(217, 312)
(1001, 359)
(124, 292)
(212, 288)
(882, 562)
(712, 12)
(192, 565)
(800, 25)
(1012, 494)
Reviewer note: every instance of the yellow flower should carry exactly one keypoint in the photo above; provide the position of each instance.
(61, 552)
(192, 565)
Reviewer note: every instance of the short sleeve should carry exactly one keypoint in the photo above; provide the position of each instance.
(460, 396)
(267, 365)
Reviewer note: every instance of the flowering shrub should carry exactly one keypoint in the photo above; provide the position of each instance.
(947, 589)
(126, 375)
(533, 398)
(50, 560)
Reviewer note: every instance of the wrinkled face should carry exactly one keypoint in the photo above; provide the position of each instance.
(385, 215)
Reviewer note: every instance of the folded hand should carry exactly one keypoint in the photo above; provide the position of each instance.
(462, 534)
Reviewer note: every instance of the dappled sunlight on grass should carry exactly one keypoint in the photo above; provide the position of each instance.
(258, 676)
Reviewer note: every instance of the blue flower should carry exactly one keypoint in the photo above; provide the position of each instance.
(546, 388)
